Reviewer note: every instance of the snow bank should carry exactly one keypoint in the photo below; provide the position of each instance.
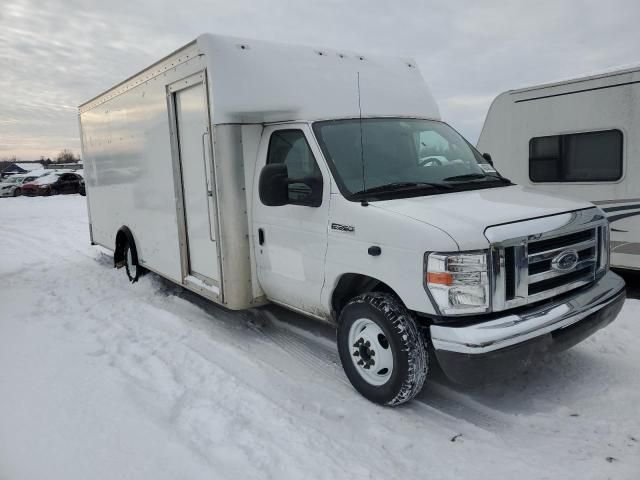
(100, 378)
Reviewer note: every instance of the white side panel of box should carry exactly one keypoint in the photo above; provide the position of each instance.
(129, 169)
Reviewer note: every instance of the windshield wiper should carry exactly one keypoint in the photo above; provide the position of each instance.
(475, 176)
(398, 186)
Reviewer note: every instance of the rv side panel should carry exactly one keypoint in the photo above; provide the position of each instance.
(583, 107)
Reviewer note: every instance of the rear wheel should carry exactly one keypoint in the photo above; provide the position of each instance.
(17, 192)
(382, 349)
(131, 263)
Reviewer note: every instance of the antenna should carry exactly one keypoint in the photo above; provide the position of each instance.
(361, 141)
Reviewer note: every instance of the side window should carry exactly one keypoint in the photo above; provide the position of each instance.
(576, 157)
(290, 147)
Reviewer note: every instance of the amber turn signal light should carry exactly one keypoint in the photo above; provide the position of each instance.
(442, 278)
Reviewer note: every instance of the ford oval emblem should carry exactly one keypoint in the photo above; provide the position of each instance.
(565, 261)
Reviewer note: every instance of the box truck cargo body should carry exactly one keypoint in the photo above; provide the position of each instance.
(324, 181)
(581, 138)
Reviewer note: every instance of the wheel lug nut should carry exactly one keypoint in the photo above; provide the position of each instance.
(372, 362)
(367, 344)
(367, 366)
(372, 353)
(360, 362)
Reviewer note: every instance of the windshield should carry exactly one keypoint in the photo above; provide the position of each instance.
(401, 154)
(12, 180)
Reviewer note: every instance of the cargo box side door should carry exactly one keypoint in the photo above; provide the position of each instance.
(195, 185)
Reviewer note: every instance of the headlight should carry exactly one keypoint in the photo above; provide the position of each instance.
(458, 282)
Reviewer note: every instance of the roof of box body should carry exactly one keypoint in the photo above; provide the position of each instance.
(255, 81)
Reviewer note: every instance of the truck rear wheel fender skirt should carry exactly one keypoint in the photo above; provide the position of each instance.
(382, 349)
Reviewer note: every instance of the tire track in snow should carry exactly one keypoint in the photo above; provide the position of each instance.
(315, 355)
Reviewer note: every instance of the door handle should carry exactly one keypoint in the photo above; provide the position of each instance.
(261, 236)
(208, 181)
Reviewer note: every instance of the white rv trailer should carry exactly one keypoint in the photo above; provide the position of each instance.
(322, 180)
(580, 138)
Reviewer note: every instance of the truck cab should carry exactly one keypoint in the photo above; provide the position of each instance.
(485, 267)
(325, 181)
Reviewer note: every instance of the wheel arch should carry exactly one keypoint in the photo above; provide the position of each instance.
(350, 285)
(124, 237)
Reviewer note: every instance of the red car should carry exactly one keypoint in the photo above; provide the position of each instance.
(53, 184)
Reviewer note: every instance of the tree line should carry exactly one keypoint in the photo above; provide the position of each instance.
(65, 156)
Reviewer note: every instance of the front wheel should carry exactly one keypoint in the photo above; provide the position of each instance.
(382, 349)
(17, 192)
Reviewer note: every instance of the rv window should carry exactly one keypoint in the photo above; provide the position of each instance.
(291, 148)
(576, 157)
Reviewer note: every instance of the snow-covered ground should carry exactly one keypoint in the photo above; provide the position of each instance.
(101, 379)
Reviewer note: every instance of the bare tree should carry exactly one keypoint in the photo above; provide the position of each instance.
(67, 156)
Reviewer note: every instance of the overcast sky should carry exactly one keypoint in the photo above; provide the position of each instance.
(55, 54)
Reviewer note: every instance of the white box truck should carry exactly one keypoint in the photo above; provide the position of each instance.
(581, 138)
(325, 181)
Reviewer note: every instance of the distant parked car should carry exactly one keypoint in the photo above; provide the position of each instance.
(11, 186)
(53, 184)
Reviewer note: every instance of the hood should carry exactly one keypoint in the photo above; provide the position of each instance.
(466, 215)
(46, 180)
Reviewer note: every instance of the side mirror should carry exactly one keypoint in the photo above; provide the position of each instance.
(487, 157)
(273, 186)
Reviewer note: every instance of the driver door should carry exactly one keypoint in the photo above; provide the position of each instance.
(290, 241)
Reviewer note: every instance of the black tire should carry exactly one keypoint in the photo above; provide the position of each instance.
(53, 191)
(17, 192)
(408, 347)
(132, 269)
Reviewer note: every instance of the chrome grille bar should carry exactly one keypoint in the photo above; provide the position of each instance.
(582, 265)
(549, 254)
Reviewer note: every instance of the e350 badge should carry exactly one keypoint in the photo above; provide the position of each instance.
(343, 228)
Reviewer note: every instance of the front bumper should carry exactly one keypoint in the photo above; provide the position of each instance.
(498, 348)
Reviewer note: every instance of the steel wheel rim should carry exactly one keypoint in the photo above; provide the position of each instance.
(133, 269)
(370, 351)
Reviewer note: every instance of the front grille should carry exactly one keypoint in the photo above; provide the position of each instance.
(540, 266)
(543, 277)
